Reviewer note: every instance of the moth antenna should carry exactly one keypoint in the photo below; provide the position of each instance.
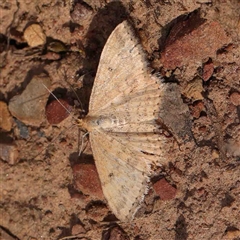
(81, 105)
(56, 98)
(78, 99)
(81, 149)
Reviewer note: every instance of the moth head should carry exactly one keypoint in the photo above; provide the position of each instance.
(82, 124)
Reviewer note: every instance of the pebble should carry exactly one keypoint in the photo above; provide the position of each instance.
(34, 35)
(55, 112)
(29, 106)
(175, 114)
(5, 117)
(23, 129)
(9, 153)
(164, 190)
(194, 89)
(86, 180)
(208, 69)
(182, 49)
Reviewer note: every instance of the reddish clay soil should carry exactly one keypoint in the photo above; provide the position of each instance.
(47, 190)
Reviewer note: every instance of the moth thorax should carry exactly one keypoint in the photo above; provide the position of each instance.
(105, 121)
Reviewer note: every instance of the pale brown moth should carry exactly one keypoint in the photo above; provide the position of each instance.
(121, 122)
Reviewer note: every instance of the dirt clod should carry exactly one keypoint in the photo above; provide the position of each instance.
(5, 117)
(164, 190)
(29, 106)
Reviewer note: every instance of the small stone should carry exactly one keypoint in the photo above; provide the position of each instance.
(29, 106)
(175, 114)
(23, 129)
(86, 180)
(208, 69)
(235, 98)
(193, 43)
(34, 35)
(5, 117)
(164, 189)
(55, 112)
(197, 108)
(9, 153)
(194, 89)
(78, 229)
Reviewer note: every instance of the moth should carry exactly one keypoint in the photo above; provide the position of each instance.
(124, 106)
